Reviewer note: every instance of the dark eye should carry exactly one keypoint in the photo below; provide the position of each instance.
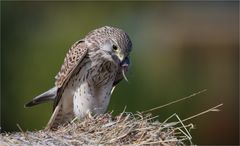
(114, 47)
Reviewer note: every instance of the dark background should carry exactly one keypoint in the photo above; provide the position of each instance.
(178, 48)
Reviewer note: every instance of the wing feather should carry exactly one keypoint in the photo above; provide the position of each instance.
(74, 56)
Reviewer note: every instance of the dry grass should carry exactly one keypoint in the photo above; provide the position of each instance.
(124, 129)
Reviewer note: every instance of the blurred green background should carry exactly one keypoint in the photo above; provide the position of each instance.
(178, 48)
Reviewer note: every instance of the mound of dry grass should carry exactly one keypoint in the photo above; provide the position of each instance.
(124, 129)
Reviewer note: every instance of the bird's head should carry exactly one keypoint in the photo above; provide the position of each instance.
(112, 48)
(115, 43)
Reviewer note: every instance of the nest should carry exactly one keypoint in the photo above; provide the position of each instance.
(124, 129)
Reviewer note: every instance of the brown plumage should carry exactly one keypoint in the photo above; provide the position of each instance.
(91, 69)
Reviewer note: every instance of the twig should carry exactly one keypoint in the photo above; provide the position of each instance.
(184, 98)
(213, 109)
(19, 127)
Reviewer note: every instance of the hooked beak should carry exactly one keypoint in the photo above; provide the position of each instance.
(121, 56)
(125, 63)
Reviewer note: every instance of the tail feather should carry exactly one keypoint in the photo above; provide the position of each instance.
(59, 117)
(49, 95)
(54, 120)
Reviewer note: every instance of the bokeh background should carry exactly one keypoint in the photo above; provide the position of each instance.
(178, 48)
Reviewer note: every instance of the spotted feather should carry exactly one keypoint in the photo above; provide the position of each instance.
(75, 54)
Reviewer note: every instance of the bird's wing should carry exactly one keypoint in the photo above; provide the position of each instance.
(74, 56)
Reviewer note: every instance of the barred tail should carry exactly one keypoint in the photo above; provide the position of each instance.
(49, 95)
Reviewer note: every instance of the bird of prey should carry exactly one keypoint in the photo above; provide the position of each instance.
(92, 68)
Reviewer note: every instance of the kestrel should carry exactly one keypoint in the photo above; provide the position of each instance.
(92, 68)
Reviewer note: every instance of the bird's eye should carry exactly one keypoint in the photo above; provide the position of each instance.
(114, 47)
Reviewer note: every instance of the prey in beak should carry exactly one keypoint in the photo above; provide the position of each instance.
(124, 65)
